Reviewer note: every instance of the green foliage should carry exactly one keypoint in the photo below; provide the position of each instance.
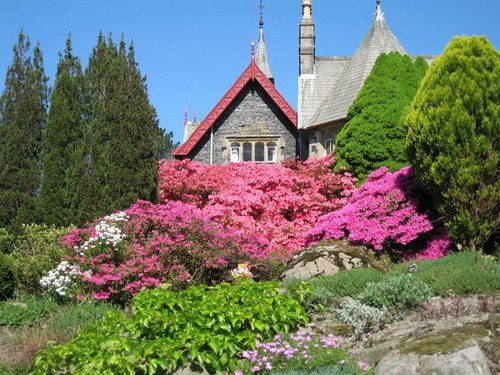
(360, 317)
(7, 277)
(460, 274)
(397, 293)
(122, 136)
(35, 251)
(72, 317)
(454, 137)
(325, 290)
(327, 370)
(23, 107)
(62, 141)
(373, 135)
(206, 325)
(26, 311)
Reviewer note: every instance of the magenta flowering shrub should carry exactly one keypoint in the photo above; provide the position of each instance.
(385, 211)
(171, 243)
(211, 218)
(278, 203)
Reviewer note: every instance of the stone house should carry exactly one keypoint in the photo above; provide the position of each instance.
(252, 121)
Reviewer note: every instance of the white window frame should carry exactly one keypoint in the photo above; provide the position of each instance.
(269, 145)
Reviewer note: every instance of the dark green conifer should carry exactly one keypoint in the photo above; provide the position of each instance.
(62, 154)
(122, 132)
(23, 111)
(373, 136)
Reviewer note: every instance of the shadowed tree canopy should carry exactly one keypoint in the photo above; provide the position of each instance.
(62, 154)
(23, 112)
(373, 135)
(454, 136)
(122, 133)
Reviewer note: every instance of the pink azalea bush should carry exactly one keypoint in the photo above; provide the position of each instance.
(210, 219)
(278, 202)
(385, 211)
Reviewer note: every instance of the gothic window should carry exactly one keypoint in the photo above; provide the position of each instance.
(271, 152)
(247, 151)
(259, 152)
(235, 152)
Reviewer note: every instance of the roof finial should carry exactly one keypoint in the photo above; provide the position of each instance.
(261, 7)
(379, 16)
(252, 50)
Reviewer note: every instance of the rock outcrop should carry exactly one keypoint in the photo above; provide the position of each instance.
(328, 258)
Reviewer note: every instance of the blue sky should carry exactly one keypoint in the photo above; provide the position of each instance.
(193, 50)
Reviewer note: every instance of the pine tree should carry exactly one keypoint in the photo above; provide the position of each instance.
(122, 133)
(373, 135)
(454, 139)
(63, 138)
(23, 112)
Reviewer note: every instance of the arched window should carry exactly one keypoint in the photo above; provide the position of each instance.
(259, 152)
(247, 151)
(271, 152)
(235, 152)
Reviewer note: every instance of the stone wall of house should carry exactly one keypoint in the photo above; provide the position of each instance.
(252, 115)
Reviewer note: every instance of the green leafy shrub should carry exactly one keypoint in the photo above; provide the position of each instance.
(327, 289)
(461, 274)
(397, 293)
(25, 311)
(360, 317)
(167, 330)
(7, 277)
(35, 251)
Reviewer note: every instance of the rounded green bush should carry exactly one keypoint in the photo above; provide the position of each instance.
(7, 277)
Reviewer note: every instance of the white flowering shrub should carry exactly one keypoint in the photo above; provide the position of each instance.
(60, 278)
(108, 235)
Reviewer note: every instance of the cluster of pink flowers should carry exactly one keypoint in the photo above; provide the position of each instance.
(279, 203)
(301, 347)
(385, 211)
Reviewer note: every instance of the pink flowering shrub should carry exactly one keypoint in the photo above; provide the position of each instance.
(211, 218)
(166, 243)
(278, 203)
(383, 212)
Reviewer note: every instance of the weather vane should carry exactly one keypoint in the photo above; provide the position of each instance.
(261, 7)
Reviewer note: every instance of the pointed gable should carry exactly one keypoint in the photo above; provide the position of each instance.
(251, 74)
(378, 40)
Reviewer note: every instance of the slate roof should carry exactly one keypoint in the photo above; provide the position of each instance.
(348, 78)
(251, 74)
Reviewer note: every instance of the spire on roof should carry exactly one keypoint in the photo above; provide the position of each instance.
(262, 59)
(379, 15)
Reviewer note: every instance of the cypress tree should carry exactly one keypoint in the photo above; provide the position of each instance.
(63, 137)
(454, 139)
(122, 133)
(373, 135)
(23, 111)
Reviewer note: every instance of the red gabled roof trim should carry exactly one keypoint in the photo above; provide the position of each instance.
(251, 73)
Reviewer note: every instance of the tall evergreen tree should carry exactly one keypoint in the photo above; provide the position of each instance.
(454, 139)
(62, 144)
(122, 132)
(373, 136)
(23, 111)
